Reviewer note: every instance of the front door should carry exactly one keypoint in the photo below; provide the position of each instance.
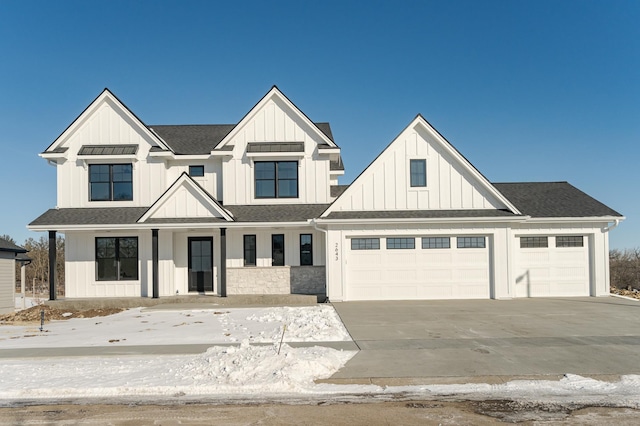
(201, 264)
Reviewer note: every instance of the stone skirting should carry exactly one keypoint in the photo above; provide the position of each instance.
(276, 280)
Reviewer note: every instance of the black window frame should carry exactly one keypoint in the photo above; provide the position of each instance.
(111, 182)
(117, 258)
(565, 241)
(250, 253)
(365, 244)
(273, 250)
(199, 168)
(303, 253)
(534, 242)
(471, 242)
(401, 243)
(418, 179)
(276, 179)
(430, 243)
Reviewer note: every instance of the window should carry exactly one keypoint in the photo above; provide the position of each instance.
(570, 241)
(116, 259)
(418, 172)
(276, 179)
(277, 250)
(365, 244)
(436, 242)
(534, 242)
(470, 242)
(249, 250)
(110, 182)
(196, 171)
(306, 249)
(401, 243)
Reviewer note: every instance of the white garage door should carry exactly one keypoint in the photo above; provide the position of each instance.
(559, 269)
(376, 271)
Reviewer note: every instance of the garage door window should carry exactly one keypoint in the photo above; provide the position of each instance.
(534, 242)
(401, 243)
(365, 244)
(571, 241)
(471, 242)
(436, 242)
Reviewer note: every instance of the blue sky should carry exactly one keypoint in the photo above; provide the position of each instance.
(526, 90)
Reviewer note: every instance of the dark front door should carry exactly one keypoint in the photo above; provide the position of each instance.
(200, 264)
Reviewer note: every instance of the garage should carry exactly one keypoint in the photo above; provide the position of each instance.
(417, 268)
(552, 266)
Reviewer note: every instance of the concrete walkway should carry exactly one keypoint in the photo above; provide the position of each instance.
(449, 340)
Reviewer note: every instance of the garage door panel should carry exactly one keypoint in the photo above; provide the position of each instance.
(434, 276)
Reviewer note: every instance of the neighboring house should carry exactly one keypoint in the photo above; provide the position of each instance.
(8, 255)
(255, 208)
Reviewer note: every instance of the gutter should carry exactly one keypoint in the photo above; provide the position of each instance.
(615, 224)
(424, 220)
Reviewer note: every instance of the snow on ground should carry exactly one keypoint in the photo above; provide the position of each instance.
(158, 327)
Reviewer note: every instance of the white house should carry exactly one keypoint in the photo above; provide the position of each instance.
(255, 208)
(8, 255)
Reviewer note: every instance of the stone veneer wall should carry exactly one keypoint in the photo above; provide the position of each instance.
(276, 280)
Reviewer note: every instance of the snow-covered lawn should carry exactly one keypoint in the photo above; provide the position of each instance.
(243, 371)
(214, 326)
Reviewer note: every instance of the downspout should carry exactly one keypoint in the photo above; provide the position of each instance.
(326, 257)
(608, 228)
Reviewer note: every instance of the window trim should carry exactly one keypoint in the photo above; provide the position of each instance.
(111, 182)
(196, 167)
(117, 258)
(438, 243)
(570, 241)
(472, 240)
(400, 243)
(276, 180)
(418, 183)
(273, 250)
(254, 250)
(310, 249)
(365, 244)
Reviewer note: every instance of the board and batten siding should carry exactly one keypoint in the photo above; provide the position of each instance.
(385, 184)
(109, 126)
(276, 122)
(210, 182)
(7, 282)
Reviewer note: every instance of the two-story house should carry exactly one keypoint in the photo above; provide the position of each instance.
(255, 208)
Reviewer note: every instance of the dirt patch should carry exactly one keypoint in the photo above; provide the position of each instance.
(32, 315)
(635, 294)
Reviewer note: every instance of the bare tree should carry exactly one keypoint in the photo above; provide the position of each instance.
(624, 267)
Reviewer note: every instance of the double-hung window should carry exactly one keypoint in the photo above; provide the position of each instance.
(276, 179)
(418, 173)
(110, 182)
(116, 258)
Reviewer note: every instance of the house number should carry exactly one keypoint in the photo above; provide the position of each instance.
(336, 252)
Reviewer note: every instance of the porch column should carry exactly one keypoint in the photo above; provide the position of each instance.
(223, 262)
(52, 265)
(154, 261)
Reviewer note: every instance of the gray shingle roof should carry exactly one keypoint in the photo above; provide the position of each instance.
(420, 214)
(553, 199)
(277, 213)
(200, 139)
(9, 246)
(336, 164)
(90, 216)
(337, 190)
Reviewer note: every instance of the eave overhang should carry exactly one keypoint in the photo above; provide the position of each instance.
(440, 220)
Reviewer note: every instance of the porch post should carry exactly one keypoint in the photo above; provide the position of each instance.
(154, 261)
(52, 265)
(223, 262)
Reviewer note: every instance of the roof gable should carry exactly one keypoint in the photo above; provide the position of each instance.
(185, 199)
(275, 106)
(453, 183)
(116, 122)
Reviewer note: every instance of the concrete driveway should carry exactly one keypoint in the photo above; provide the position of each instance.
(473, 339)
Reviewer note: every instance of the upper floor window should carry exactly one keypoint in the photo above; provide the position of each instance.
(196, 171)
(110, 182)
(276, 179)
(418, 172)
